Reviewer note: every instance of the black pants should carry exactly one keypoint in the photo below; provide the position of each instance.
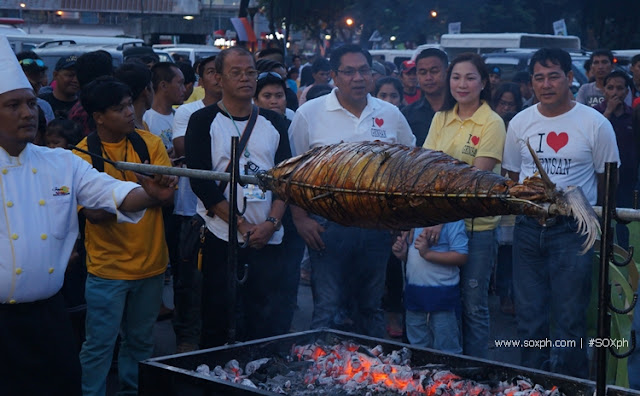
(260, 302)
(38, 355)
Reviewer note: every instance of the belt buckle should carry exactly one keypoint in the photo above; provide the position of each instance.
(550, 222)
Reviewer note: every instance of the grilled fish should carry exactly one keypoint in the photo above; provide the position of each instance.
(391, 186)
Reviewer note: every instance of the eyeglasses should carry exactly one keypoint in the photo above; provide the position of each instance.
(237, 74)
(29, 61)
(364, 72)
(267, 74)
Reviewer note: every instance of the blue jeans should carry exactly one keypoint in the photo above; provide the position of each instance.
(127, 307)
(475, 276)
(551, 284)
(438, 330)
(633, 362)
(352, 267)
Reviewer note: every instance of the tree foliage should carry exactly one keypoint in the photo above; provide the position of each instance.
(612, 24)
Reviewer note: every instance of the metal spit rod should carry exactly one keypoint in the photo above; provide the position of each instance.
(621, 213)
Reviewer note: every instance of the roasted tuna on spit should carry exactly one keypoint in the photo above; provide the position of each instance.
(380, 185)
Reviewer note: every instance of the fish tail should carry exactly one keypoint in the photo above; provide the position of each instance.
(585, 216)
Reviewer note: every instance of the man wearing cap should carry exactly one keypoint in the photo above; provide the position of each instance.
(41, 191)
(34, 68)
(409, 82)
(431, 66)
(495, 76)
(66, 87)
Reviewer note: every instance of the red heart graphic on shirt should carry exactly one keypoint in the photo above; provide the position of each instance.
(475, 140)
(557, 140)
(379, 121)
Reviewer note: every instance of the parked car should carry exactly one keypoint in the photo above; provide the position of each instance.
(119, 53)
(513, 61)
(192, 52)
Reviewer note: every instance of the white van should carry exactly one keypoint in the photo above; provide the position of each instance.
(27, 42)
(454, 44)
(193, 52)
(397, 56)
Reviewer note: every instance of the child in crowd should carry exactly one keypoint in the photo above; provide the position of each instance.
(61, 133)
(432, 292)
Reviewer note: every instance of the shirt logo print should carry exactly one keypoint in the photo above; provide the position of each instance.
(60, 191)
(557, 140)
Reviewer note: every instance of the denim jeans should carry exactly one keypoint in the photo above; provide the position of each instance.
(633, 362)
(551, 285)
(438, 330)
(474, 286)
(126, 307)
(352, 268)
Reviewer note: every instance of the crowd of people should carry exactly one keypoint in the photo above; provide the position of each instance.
(106, 281)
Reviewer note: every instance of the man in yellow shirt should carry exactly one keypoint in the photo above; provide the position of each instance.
(125, 262)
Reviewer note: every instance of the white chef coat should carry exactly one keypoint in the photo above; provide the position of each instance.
(40, 190)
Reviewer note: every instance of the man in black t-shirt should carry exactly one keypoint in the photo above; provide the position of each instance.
(65, 90)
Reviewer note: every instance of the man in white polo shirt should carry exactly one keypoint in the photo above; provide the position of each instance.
(342, 256)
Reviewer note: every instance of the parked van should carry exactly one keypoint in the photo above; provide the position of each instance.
(454, 44)
(397, 56)
(512, 61)
(51, 54)
(27, 42)
(193, 52)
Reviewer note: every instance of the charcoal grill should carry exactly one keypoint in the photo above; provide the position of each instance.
(174, 375)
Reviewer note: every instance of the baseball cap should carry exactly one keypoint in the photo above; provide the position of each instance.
(407, 66)
(495, 70)
(378, 68)
(66, 62)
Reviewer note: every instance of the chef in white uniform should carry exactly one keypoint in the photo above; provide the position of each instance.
(40, 189)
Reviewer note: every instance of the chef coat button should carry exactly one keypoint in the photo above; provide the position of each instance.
(18, 271)
(14, 236)
(12, 301)
(41, 202)
(4, 171)
(34, 170)
(9, 204)
(43, 236)
(51, 270)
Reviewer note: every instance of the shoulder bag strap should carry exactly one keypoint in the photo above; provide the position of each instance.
(94, 146)
(243, 141)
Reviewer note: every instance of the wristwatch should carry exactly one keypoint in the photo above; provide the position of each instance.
(276, 222)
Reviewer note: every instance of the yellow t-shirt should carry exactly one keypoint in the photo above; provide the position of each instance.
(127, 251)
(482, 135)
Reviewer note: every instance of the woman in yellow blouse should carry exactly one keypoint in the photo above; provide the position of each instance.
(467, 129)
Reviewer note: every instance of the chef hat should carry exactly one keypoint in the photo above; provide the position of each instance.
(12, 75)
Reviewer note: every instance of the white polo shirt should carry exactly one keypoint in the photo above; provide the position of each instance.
(324, 121)
(40, 191)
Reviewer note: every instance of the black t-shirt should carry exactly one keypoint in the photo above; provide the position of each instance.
(60, 108)
(419, 115)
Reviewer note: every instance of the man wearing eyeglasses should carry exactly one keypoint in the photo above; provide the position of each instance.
(207, 146)
(342, 256)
